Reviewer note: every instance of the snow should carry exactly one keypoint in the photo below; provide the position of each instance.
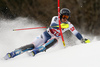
(80, 55)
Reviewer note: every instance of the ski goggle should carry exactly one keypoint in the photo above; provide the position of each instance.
(65, 16)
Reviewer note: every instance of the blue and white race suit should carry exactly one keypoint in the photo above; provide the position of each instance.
(54, 32)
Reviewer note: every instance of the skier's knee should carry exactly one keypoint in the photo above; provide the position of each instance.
(51, 42)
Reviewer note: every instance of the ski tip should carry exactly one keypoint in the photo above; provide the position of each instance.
(7, 56)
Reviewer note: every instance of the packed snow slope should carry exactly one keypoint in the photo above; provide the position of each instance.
(84, 55)
(80, 55)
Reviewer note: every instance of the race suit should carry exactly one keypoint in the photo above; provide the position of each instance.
(54, 32)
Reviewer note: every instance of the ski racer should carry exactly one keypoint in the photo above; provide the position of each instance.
(49, 37)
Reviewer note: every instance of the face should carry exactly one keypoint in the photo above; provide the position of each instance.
(64, 18)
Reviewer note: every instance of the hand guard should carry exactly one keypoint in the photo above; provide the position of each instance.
(85, 40)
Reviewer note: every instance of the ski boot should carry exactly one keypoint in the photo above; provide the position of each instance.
(12, 54)
(37, 50)
(19, 51)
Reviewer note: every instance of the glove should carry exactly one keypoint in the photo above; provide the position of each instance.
(85, 40)
(64, 25)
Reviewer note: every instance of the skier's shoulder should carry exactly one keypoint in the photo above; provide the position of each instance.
(55, 18)
(69, 22)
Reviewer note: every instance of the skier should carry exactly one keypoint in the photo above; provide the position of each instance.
(49, 37)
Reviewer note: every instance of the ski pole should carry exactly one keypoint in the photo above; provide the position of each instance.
(28, 28)
(60, 23)
(33, 28)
